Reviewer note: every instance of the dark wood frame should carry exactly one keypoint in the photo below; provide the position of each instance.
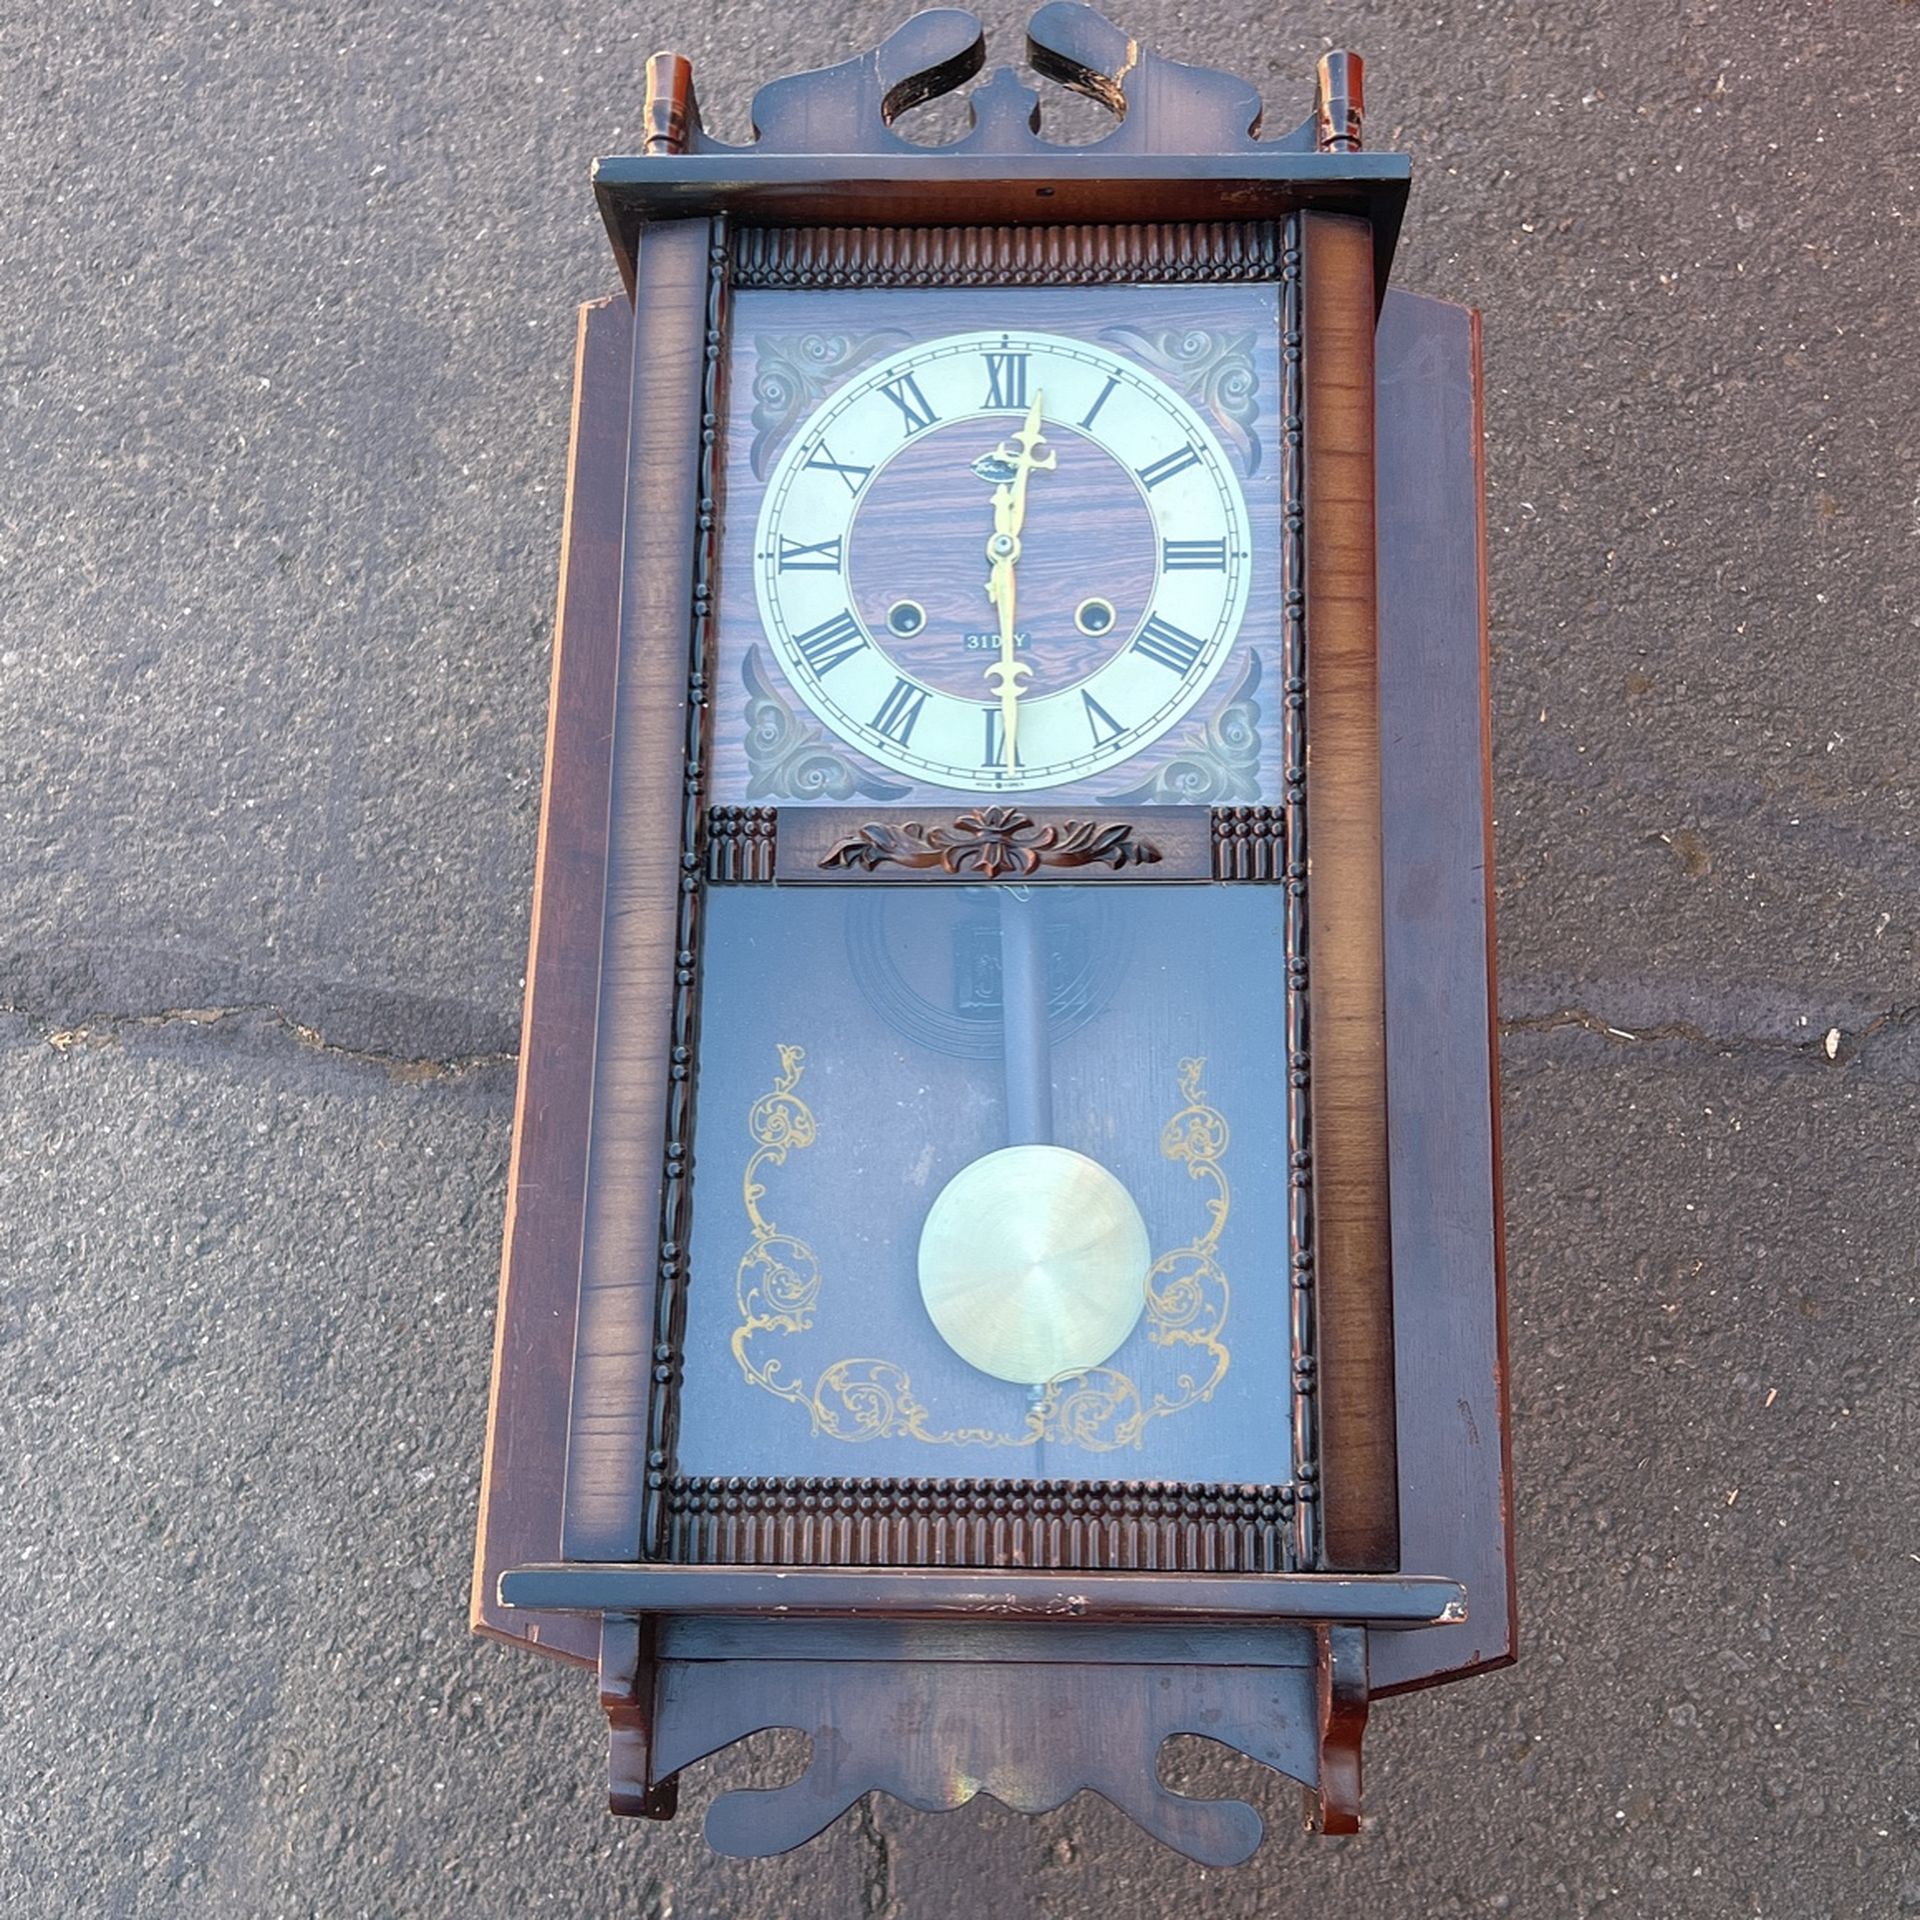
(618, 1393)
(652, 884)
(936, 1593)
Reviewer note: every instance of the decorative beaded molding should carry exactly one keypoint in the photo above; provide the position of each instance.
(1129, 1525)
(740, 842)
(1293, 555)
(1248, 842)
(820, 257)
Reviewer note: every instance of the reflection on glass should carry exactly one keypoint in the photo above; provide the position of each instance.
(990, 1182)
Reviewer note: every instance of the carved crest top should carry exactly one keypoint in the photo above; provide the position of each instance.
(1185, 144)
(1159, 106)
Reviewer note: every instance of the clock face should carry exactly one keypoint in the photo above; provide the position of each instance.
(1002, 560)
(1000, 542)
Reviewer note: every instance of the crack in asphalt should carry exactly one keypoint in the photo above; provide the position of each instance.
(413, 1069)
(877, 1902)
(94, 1028)
(1851, 1041)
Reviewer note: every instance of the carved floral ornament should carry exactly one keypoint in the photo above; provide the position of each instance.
(790, 757)
(990, 842)
(793, 373)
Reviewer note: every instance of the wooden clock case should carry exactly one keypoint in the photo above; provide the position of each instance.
(1077, 1632)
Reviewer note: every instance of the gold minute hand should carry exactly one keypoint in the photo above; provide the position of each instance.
(1008, 673)
(1028, 439)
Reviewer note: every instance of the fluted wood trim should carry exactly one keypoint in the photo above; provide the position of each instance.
(1352, 1255)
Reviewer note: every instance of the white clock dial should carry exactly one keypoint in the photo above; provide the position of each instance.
(877, 587)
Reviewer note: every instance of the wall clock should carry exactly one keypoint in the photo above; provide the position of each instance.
(1001, 1051)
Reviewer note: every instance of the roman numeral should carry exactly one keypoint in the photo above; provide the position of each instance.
(994, 759)
(899, 712)
(826, 463)
(1113, 380)
(1104, 725)
(1194, 556)
(1164, 643)
(832, 641)
(800, 556)
(1006, 379)
(1176, 462)
(906, 395)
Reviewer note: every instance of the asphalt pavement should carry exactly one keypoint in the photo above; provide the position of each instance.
(289, 299)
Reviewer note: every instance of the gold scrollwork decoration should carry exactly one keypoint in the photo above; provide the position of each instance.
(777, 1283)
(861, 1398)
(1187, 1293)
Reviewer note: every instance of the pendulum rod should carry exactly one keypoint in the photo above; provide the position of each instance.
(1023, 1019)
(1025, 1047)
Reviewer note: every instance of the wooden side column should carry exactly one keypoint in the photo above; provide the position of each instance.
(1360, 1522)
(524, 1471)
(620, 1254)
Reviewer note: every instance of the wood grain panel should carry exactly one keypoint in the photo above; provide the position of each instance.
(524, 1469)
(1352, 1254)
(608, 1426)
(904, 188)
(1449, 1295)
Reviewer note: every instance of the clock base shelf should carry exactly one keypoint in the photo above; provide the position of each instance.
(928, 1593)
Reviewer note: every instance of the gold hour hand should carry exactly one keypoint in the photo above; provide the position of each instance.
(1010, 466)
(1009, 673)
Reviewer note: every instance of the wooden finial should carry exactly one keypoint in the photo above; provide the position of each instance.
(668, 111)
(1340, 103)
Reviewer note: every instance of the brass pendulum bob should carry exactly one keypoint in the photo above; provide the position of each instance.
(1034, 1258)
